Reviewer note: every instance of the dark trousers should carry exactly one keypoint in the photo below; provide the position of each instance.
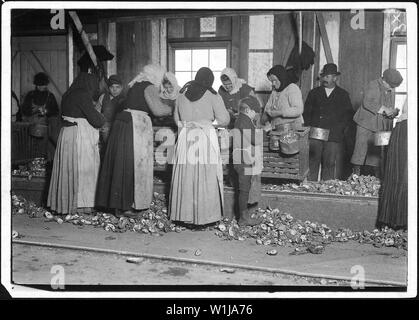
(243, 188)
(326, 153)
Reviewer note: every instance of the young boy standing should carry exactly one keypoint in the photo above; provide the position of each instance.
(247, 157)
(109, 104)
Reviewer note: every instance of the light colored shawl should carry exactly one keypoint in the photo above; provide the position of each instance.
(173, 81)
(151, 72)
(235, 80)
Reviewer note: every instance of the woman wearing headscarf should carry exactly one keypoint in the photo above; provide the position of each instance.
(232, 90)
(393, 204)
(285, 104)
(76, 162)
(196, 195)
(169, 91)
(126, 176)
(41, 109)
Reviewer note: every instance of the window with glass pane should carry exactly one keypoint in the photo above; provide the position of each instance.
(189, 61)
(398, 60)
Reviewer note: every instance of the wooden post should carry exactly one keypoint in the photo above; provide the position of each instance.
(84, 36)
(325, 38)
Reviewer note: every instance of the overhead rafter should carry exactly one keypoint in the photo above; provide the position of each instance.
(325, 38)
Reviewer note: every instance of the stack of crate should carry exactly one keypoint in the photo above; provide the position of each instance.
(281, 166)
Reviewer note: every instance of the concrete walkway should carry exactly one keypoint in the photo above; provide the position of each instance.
(383, 266)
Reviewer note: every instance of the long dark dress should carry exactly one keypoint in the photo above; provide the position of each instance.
(392, 210)
(116, 179)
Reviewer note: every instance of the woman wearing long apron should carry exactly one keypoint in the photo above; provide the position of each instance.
(392, 208)
(196, 195)
(126, 176)
(76, 162)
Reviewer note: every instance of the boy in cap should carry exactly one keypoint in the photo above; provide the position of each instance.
(375, 114)
(110, 103)
(248, 167)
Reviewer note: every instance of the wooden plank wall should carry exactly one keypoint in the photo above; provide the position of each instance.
(51, 51)
(360, 53)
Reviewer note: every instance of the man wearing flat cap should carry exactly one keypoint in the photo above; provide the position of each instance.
(109, 104)
(375, 114)
(327, 107)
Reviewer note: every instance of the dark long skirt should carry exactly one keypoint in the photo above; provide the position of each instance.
(392, 210)
(115, 188)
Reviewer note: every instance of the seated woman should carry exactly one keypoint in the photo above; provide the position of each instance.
(126, 177)
(41, 109)
(169, 91)
(232, 91)
(285, 104)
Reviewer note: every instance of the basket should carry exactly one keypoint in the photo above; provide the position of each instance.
(289, 144)
(382, 138)
(319, 133)
(38, 130)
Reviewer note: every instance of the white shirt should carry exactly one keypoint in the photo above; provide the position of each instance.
(329, 91)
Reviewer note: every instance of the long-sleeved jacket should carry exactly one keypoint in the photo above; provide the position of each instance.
(376, 95)
(285, 106)
(333, 112)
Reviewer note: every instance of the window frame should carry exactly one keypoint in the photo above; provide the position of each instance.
(214, 44)
(394, 42)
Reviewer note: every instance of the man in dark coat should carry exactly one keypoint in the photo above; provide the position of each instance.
(328, 107)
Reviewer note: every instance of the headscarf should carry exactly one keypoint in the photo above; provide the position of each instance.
(281, 73)
(152, 72)
(173, 81)
(195, 89)
(85, 81)
(235, 80)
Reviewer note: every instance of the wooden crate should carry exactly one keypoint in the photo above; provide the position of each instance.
(277, 165)
(24, 147)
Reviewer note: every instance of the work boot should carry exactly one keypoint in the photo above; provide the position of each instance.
(356, 170)
(246, 219)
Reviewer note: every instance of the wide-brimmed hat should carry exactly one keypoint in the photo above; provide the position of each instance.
(329, 68)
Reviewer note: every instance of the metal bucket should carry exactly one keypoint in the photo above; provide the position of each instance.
(274, 142)
(319, 133)
(382, 138)
(38, 130)
(289, 144)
